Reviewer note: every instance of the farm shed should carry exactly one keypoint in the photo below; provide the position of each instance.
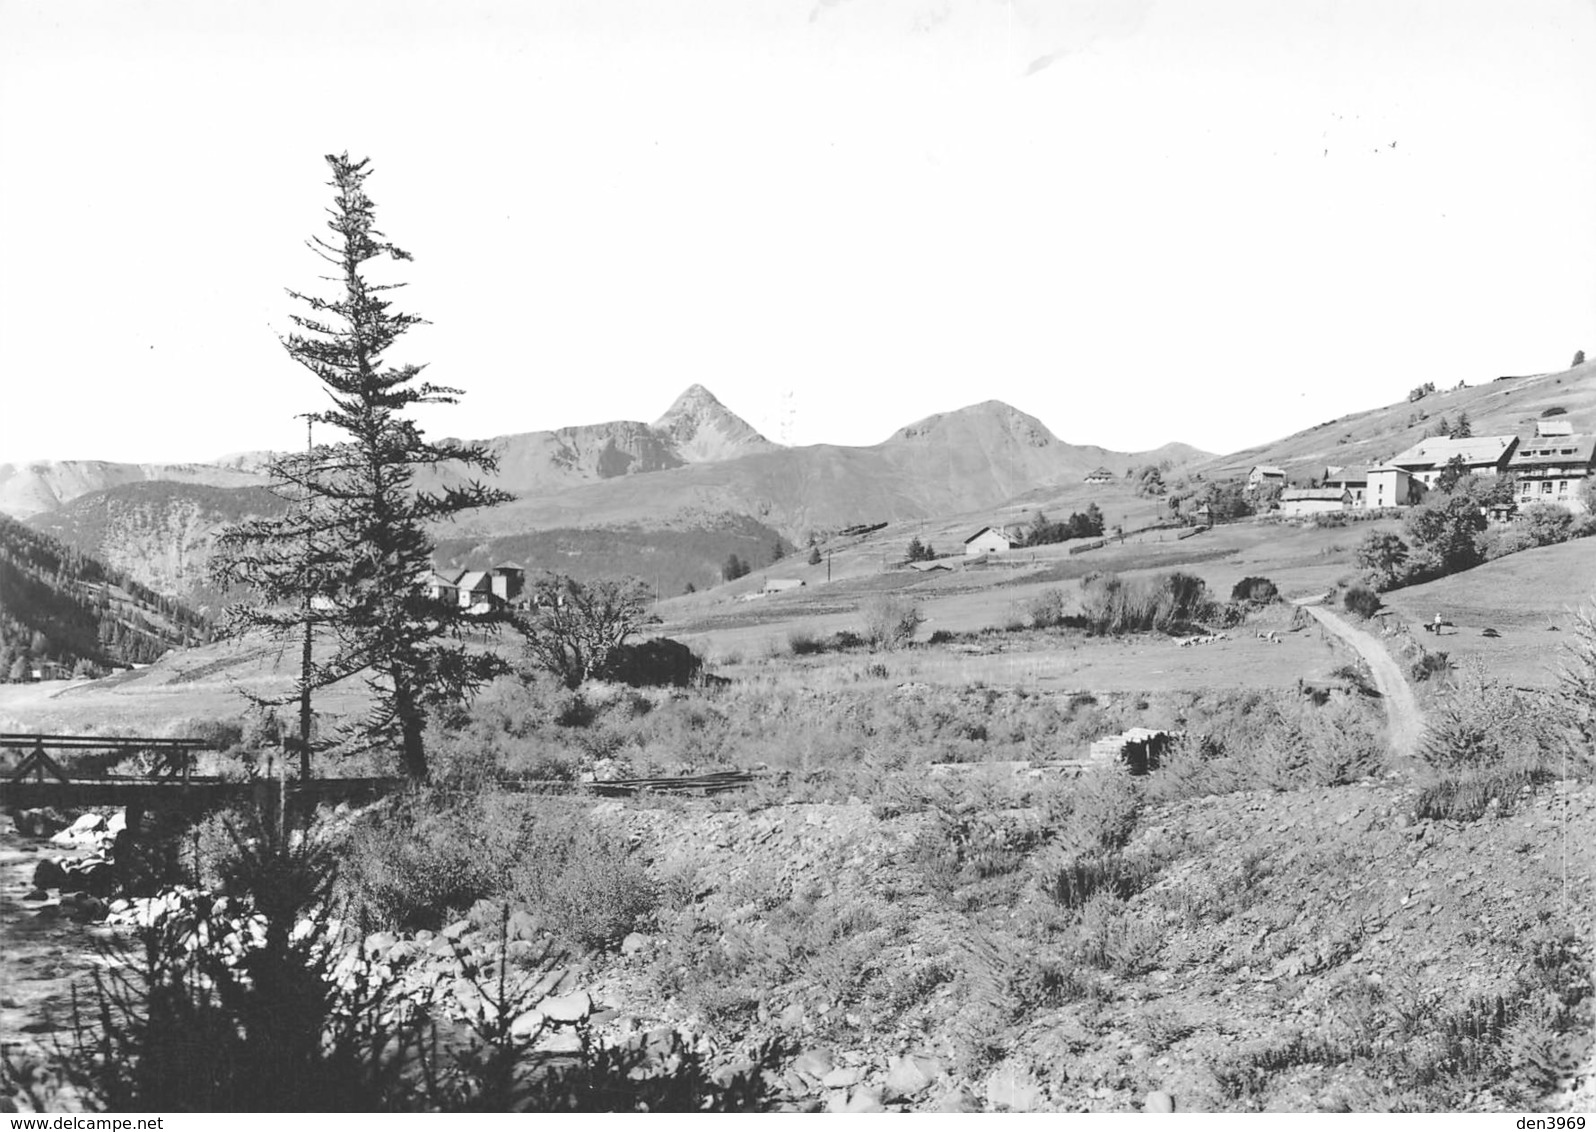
(987, 540)
(1299, 501)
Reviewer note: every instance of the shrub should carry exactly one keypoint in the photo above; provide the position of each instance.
(657, 662)
(890, 622)
(430, 860)
(1443, 530)
(1545, 523)
(1429, 664)
(1079, 879)
(1356, 676)
(1384, 558)
(1260, 591)
(574, 628)
(581, 881)
(1472, 795)
(803, 642)
(1047, 608)
(1486, 724)
(1361, 600)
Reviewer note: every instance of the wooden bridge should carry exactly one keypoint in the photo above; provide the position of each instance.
(170, 784)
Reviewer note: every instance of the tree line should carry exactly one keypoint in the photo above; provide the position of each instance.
(62, 608)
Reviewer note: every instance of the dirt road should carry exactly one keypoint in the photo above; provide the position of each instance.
(1404, 721)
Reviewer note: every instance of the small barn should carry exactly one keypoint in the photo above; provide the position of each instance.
(1100, 475)
(987, 540)
(1299, 501)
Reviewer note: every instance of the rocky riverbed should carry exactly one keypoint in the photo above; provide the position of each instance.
(49, 944)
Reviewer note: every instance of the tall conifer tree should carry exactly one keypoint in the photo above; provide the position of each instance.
(352, 554)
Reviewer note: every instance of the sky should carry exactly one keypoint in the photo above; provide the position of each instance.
(1211, 221)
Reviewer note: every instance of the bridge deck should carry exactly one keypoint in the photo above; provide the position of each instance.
(195, 793)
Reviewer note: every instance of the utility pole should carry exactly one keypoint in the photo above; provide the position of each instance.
(305, 656)
(828, 565)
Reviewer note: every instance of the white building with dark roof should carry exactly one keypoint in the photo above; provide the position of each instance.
(987, 540)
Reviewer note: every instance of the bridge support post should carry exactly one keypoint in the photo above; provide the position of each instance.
(269, 802)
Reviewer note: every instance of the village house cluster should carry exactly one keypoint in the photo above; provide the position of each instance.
(478, 591)
(1547, 468)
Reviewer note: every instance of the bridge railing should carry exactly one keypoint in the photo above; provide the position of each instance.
(174, 758)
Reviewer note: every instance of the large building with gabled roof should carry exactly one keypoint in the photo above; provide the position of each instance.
(1481, 456)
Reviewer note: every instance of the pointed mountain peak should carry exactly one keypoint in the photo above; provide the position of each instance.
(703, 430)
(695, 398)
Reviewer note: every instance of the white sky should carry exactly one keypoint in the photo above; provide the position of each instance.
(1139, 221)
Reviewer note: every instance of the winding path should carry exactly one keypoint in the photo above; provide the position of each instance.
(1404, 721)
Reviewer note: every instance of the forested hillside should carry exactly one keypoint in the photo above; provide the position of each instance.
(64, 613)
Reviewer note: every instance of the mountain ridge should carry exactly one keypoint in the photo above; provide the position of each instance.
(698, 468)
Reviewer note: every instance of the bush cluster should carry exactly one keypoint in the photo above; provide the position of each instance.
(1259, 591)
(890, 622)
(1111, 605)
(432, 858)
